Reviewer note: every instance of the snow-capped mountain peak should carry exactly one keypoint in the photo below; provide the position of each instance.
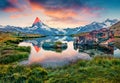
(94, 22)
(37, 20)
(40, 28)
(109, 22)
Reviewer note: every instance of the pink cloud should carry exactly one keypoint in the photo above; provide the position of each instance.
(19, 15)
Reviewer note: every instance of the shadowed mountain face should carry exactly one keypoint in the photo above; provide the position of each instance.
(116, 29)
(38, 27)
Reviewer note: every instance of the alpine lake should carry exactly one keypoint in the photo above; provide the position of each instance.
(56, 57)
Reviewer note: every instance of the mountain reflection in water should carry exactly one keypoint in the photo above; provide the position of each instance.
(95, 50)
(52, 57)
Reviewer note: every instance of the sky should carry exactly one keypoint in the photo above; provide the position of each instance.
(57, 13)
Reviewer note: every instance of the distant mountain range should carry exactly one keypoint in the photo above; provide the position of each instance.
(38, 27)
(93, 26)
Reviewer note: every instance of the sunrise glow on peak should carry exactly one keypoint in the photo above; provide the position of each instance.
(37, 20)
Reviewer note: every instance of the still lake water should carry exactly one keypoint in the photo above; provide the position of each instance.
(48, 57)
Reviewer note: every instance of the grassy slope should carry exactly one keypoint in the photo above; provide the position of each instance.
(80, 34)
(98, 70)
(9, 51)
(31, 36)
(117, 42)
(6, 36)
(116, 29)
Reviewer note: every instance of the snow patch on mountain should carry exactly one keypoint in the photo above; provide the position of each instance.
(46, 28)
(1, 26)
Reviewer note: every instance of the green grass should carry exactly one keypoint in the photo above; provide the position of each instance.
(26, 36)
(80, 34)
(99, 70)
(58, 43)
(21, 74)
(10, 51)
(117, 42)
(5, 36)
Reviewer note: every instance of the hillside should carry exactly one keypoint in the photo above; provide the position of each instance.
(116, 29)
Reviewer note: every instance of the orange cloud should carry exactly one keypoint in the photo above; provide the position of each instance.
(19, 15)
(61, 13)
(16, 16)
(36, 7)
(12, 10)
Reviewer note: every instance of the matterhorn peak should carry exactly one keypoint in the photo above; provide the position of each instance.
(37, 20)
